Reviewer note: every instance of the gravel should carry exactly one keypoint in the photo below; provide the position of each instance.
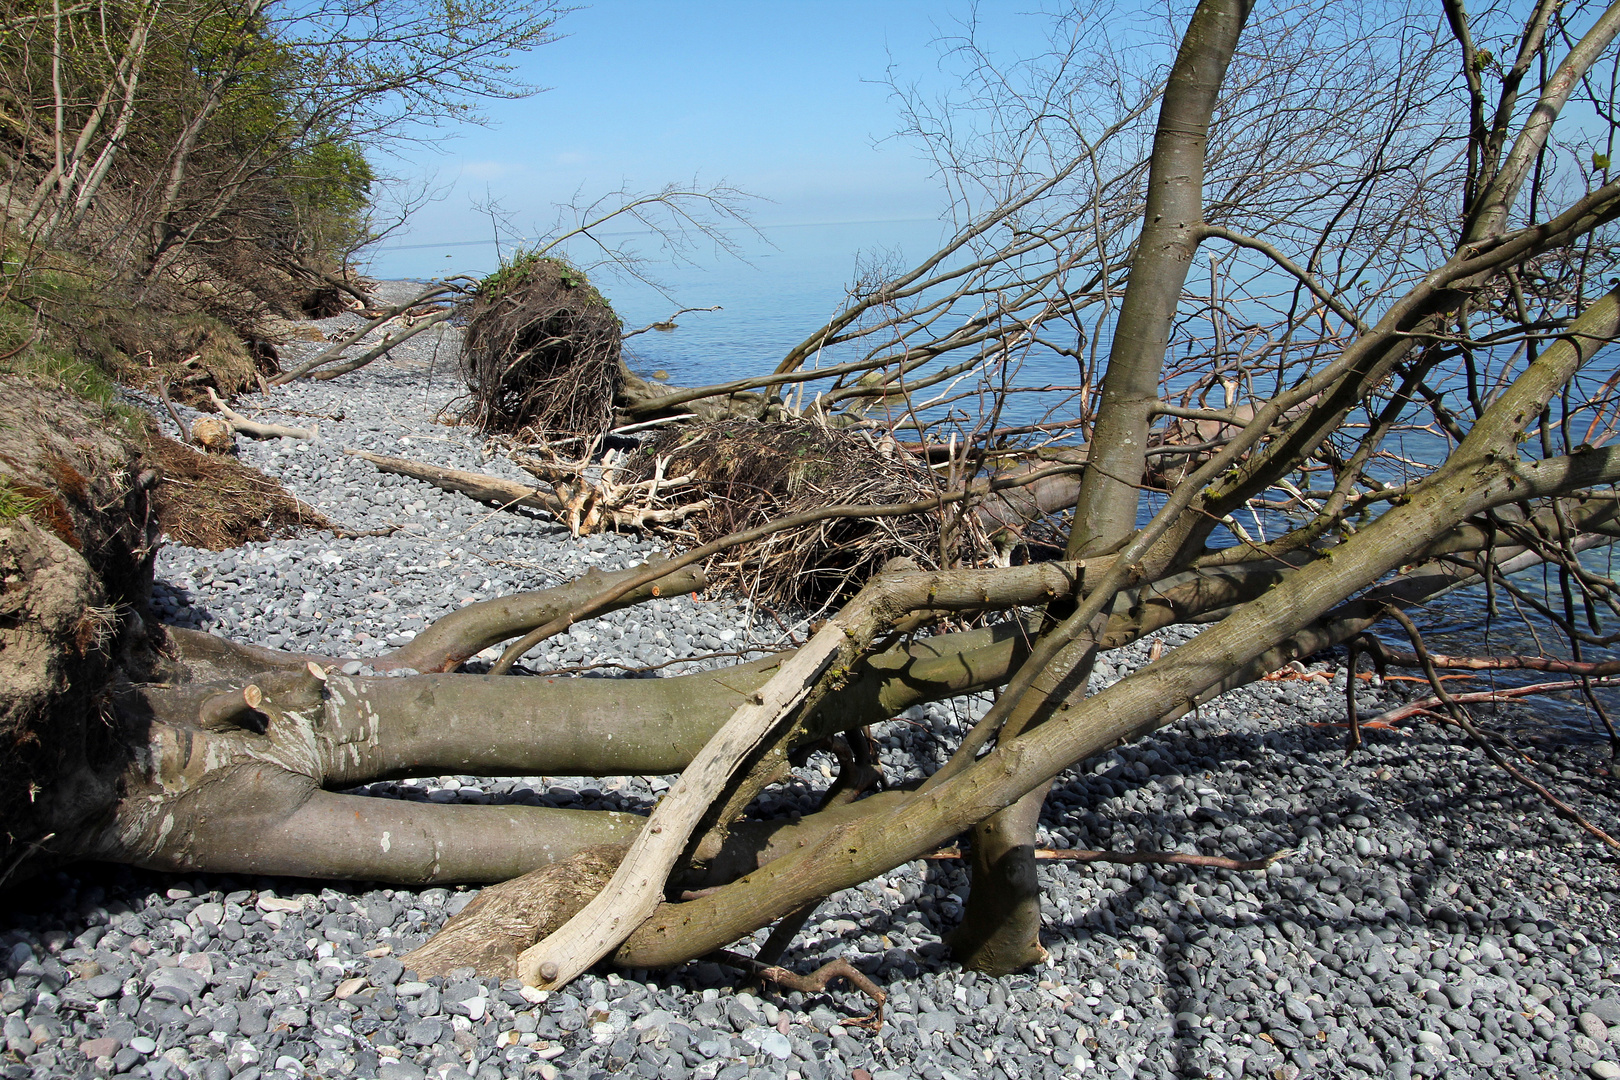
(1436, 921)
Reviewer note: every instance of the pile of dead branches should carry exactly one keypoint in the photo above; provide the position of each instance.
(751, 472)
(217, 503)
(541, 353)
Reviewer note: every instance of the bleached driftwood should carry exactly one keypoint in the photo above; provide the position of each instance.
(257, 430)
(508, 493)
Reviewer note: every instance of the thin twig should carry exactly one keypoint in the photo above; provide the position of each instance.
(174, 413)
(34, 845)
(1460, 715)
(813, 983)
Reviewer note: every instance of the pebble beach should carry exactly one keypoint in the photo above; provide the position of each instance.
(1435, 918)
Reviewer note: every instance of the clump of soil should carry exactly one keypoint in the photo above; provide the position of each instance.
(218, 503)
(77, 537)
(323, 303)
(541, 352)
(754, 472)
(65, 461)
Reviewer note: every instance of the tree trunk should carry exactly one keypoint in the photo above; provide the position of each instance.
(1002, 922)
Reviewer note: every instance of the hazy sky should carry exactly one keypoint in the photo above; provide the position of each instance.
(782, 98)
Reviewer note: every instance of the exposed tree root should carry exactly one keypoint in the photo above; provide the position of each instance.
(581, 507)
(754, 472)
(594, 495)
(541, 351)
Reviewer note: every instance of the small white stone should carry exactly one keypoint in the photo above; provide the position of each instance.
(777, 1045)
(269, 903)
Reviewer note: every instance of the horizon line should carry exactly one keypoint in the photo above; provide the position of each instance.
(638, 232)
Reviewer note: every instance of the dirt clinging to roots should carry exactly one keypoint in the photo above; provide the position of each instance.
(541, 353)
(75, 569)
(754, 472)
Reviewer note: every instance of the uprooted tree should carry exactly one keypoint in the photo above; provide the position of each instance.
(1441, 274)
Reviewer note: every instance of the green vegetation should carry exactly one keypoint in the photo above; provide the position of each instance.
(33, 314)
(15, 504)
(211, 155)
(63, 325)
(527, 267)
(176, 174)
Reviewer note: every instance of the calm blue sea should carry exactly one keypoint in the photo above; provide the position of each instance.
(791, 280)
(794, 279)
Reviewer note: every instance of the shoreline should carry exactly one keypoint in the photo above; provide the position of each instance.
(1436, 920)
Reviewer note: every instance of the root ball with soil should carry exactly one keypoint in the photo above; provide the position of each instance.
(541, 352)
(752, 472)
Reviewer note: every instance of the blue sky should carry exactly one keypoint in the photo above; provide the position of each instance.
(783, 99)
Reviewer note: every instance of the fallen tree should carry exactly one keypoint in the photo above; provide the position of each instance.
(229, 757)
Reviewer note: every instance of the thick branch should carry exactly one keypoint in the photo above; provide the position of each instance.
(463, 634)
(637, 885)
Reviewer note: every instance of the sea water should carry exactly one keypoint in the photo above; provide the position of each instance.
(792, 279)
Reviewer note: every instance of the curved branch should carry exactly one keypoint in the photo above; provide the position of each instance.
(1305, 278)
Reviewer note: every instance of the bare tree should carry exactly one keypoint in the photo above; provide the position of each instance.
(1483, 324)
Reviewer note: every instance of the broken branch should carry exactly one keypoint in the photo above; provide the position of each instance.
(255, 429)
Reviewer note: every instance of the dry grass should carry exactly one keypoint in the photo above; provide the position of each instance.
(217, 503)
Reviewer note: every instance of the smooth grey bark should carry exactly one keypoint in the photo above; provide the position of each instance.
(1000, 931)
(207, 793)
(1172, 227)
